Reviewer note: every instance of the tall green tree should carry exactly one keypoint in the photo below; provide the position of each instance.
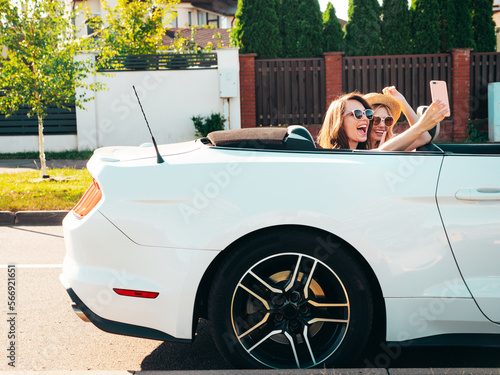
(483, 26)
(39, 68)
(425, 26)
(362, 31)
(333, 35)
(256, 28)
(464, 35)
(288, 13)
(447, 25)
(310, 41)
(133, 27)
(395, 27)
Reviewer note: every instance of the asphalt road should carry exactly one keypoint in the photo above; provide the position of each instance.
(50, 337)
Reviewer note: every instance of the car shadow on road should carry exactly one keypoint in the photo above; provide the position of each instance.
(432, 357)
(202, 354)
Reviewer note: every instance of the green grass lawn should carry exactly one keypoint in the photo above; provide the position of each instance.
(25, 191)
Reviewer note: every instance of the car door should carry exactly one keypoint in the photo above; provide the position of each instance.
(468, 197)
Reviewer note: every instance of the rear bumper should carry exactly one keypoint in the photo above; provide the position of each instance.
(118, 327)
(100, 258)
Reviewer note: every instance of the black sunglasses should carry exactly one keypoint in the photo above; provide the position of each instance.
(358, 113)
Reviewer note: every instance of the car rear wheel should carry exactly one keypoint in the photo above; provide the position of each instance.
(290, 300)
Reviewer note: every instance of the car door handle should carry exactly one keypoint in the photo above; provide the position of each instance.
(478, 194)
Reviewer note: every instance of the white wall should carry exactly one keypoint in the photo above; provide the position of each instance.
(94, 7)
(182, 15)
(169, 98)
(55, 143)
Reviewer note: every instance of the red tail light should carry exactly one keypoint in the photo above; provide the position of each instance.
(136, 293)
(89, 200)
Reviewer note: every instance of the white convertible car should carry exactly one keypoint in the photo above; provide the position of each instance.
(297, 256)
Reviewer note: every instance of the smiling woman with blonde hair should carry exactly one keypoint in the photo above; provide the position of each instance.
(387, 109)
(386, 112)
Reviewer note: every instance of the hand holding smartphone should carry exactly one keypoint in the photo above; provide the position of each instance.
(440, 91)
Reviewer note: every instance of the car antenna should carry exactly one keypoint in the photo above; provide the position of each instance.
(159, 159)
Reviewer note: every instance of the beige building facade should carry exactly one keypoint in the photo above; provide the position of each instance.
(216, 13)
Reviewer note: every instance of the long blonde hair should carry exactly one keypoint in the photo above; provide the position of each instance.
(370, 143)
(332, 133)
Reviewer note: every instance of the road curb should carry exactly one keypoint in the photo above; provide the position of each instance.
(45, 218)
(7, 218)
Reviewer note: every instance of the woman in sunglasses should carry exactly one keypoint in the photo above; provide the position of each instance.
(387, 109)
(346, 122)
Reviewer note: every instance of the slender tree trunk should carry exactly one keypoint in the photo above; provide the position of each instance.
(41, 148)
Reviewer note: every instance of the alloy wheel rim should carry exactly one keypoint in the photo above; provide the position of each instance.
(290, 310)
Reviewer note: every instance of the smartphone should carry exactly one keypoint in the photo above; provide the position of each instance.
(440, 91)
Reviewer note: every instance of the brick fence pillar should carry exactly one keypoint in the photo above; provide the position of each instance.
(333, 75)
(247, 90)
(460, 92)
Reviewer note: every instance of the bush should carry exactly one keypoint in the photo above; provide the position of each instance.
(333, 35)
(256, 28)
(447, 25)
(289, 27)
(463, 36)
(484, 26)
(425, 26)
(396, 27)
(362, 31)
(205, 125)
(475, 134)
(310, 38)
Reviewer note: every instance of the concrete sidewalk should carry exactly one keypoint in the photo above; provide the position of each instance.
(23, 165)
(35, 217)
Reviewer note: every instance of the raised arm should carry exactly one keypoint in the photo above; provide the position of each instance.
(410, 114)
(434, 114)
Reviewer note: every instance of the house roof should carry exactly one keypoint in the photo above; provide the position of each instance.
(202, 37)
(223, 7)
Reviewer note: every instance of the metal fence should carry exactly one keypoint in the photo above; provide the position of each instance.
(58, 121)
(160, 62)
(290, 91)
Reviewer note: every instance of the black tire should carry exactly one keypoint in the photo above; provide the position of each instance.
(290, 299)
